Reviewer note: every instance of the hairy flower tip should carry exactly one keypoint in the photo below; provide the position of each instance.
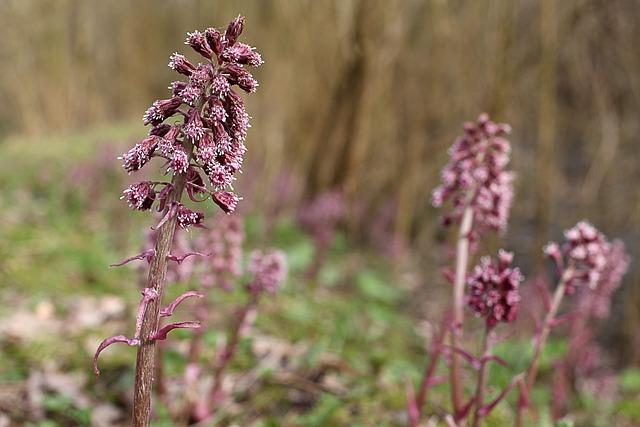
(476, 176)
(226, 200)
(234, 29)
(269, 269)
(140, 154)
(238, 122)
(214, 39)
(202, 76)
(187, 217)
(181, 64)
(493, 289)
(237, 75)
(220, 86)
(194, 128)
(219, 175)
(206, 150)
(190, 94)
(161, 110)
(583, 256)
(198, 42)
(139, 196)
(243, 54)
(215, 109)
(179, 159)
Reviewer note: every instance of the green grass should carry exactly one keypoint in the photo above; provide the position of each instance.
(60, 228)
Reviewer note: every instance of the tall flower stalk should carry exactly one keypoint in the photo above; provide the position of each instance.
(581, 261)
(205, 136)
(480, 189)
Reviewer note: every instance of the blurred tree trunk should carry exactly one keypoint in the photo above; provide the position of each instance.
(547, 111)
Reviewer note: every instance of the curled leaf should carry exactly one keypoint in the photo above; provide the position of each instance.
(168, 310)
(106, 343)
(181, 258)
(171, 212)
(148, 295)
(146, 255)
(162, 333)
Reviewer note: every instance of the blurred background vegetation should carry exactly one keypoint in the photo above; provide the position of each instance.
(362, 96)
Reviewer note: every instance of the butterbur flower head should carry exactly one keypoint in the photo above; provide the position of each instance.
(226, 200)
(236, 74)
(139, 196)
(244, 54)
(582, 258)
(493, 289)
(140, 154)
(187, 217)
(161, 110)
(198, 42)
(194, 128)
(220, 86)
(269, 270)
(234, 29)
(179, 159)
(181, 64)
(190, 94)
(219, 176)
(476, 176)
(214, 39)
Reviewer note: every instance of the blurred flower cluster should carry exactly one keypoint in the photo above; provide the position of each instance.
(476, 176)
(493, 289)
(582, 258)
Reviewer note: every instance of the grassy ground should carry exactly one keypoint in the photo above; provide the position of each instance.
(337, 350)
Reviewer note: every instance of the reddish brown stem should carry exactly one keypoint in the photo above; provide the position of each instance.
(541, 341)
(482, 377)
(145, 362)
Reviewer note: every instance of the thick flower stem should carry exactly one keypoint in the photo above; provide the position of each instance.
(145, 362)
(540, 343)
(482, 378)
(462, 259)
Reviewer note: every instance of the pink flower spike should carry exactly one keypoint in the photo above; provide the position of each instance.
(146, 255)
(162, 333)
(168, 310)
(106, 343)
